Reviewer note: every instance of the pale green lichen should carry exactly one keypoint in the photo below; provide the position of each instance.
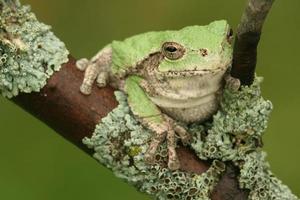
(257, 177)
(233, 135)
(237, 128)
(29, 51)
(120, 143)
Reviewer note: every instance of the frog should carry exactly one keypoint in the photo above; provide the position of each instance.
(171, 78)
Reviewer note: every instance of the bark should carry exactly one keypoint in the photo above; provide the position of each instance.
(247, 39)
(61, 106)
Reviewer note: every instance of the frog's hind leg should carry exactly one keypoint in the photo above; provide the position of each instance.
(95, 69)
(149, 114)
(173, 163)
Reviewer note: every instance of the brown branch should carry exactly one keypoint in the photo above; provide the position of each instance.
(247, 39)
(62, 107)
(74, 116)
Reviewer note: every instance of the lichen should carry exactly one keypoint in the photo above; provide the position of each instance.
(257, 177)
(120, 143)
(238, 126)
(29, 51)
(234, 135)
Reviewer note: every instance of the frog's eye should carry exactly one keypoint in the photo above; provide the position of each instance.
(172, 50)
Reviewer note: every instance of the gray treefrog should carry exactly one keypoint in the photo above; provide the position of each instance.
(169, 76)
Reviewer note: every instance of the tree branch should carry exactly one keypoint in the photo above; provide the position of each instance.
(247, 39)
(74, 116)
(61, 106)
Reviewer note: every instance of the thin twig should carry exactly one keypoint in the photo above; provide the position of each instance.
(247, 39)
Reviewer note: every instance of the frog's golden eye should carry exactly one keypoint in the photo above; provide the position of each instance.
(172, 50)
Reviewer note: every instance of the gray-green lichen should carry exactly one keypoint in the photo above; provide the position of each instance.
(237, 128)
(233, 135)
(120, 143)
(29, 51)
(257, 177)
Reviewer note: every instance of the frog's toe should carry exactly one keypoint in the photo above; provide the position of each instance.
(82, 64)
(150, 155)
(151, 151)
(102, 79)
(183, 134)
(173, 162)
(233, 84)
(86, 89)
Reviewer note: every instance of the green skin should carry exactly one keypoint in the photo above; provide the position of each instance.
(169, 76)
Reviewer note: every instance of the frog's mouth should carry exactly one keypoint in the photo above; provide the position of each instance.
(192, 72)
(208, 68)
(187, 73)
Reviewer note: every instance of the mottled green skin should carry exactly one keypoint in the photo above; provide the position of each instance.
(128, 54)
(169, 76)
(139, 101)
(133, 50)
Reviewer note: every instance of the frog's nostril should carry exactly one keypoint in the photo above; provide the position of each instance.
(203, 52)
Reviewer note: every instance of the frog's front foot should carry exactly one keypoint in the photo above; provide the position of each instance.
(93, 72)
(82, 64)
(167, 131)
(232, 83)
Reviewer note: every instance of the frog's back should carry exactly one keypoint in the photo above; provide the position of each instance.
(131, 51)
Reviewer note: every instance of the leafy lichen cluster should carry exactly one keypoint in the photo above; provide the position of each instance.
(233, 135)
(29, 51)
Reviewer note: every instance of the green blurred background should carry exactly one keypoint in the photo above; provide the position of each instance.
(38, 164)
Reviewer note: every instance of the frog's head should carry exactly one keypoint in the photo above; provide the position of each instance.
(197, 50)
